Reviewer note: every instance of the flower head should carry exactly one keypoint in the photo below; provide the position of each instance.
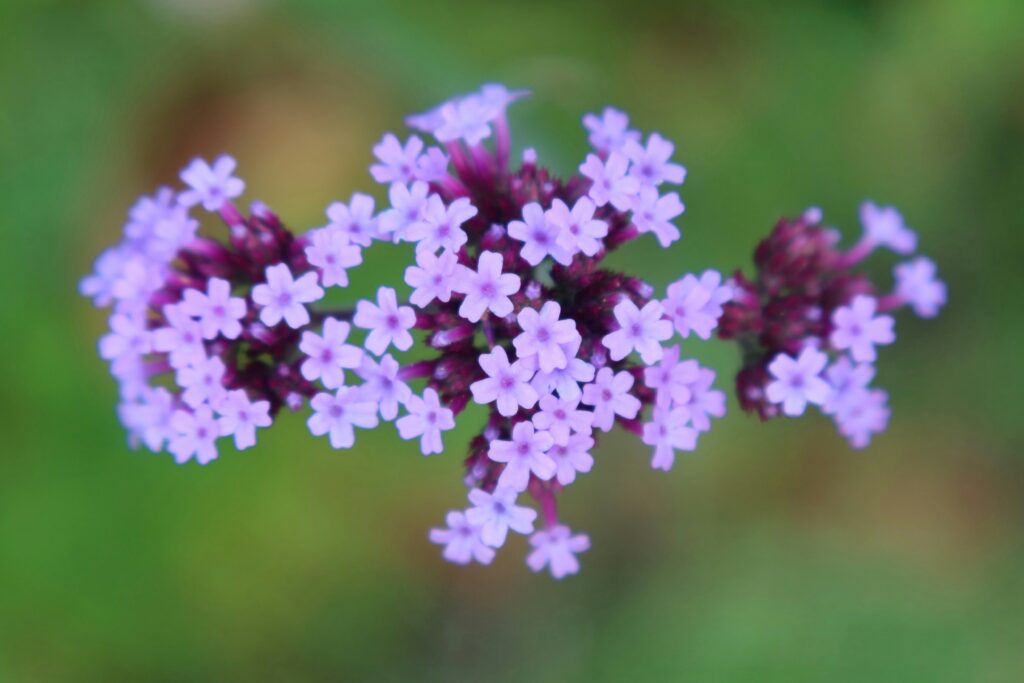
(388, 322)
(650, 162)
(240, 417)
(523, 456)
(640, 330)
(856, 328)
(609, 394)
(218, 312)
(610, 184)
(507, 385)
(210, 185)
(797, 381)
(495, 513)
(427, 418)
(486, 288)
(328, 354)
(336, 415)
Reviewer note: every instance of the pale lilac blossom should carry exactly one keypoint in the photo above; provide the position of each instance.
(427, 418)
(705, 402)
(566, 381)
(539, 236)
(388, 322)
(856, 328)
(202, 382)
(507, 385)
(797, 381)
(332, 253)
(672, 378)
(195, 435)
(572, 457)
(486, 288)
(609, 394)
(669, 431)
(461, 540)
(432, 277)
(918, 285)
(354, 220)
(544, 335)
(610, 184)
(524, 455)
(209, 185)
(181, 339)
(495, 513)
(328, 354)
(884, 226)
(440, 226)
(127, 340)
(408, 204)
(654, 213)
(336, 415)
(383, 385)
(284, 297)
(218, 312)
(240, 417)
(640, 330)
(397, 163)
(695, 305)
(650, 163)
(561, 417)
(609, 132)
(578, 231)
(556, 548)
(860, 419)
(848, 380)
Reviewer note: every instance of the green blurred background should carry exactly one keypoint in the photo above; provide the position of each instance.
(774, 553)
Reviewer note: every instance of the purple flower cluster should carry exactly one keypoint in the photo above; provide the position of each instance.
(509, 307)
(809, 323)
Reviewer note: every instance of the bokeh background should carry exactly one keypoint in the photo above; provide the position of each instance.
(774, 553)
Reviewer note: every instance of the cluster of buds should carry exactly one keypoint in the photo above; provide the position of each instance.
(509, 307)
(809, 322)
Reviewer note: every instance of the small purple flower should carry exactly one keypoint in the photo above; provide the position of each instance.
(332, 254)
(863, 417)
(427, 418)
(577, 230)
(556, 548)
(432, 277)
(705, 402)
(539, 236)
(609, 394)
(918, 285)
(486, 288)
(543, 336)
(467, 120)
(461, 540)
(209, 185)
(650, 164)
(408, 204)
(388, 322)
(857, 328)
(219, 313)
(203, 382)
(195, 434)
(507, 384)
(640, 330)
(572, 457)
(440, 226)
(848, 380)
(398, 164)
(566, 381)
(127, 340)
(668, 432)
(610, 182)
(671, 378)
(691, 307)
(328, 354)
(883, 226)
(149, 418)
(797, 381)
(561, 417)
(355, 220)
(181, 339)
(283, 297)
(654, 213)
(336, 414)
(432, 166)
(524, 455)
(496, 513)
(383, 385)
(240, 417)
(610, 132)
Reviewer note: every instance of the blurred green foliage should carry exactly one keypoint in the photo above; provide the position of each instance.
(772, 554)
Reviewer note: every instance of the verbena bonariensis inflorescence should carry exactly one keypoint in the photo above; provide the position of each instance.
(209, 339)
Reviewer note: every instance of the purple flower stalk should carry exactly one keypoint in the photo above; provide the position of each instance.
(506, 303)
(809, 322)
